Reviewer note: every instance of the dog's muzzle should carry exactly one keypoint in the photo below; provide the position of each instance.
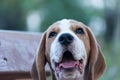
(68, 57)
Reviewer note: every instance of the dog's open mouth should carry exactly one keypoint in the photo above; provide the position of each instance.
(68, 63)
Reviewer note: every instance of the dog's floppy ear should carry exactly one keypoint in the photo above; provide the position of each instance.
(38, 68)
(99, 65)
(96, 63)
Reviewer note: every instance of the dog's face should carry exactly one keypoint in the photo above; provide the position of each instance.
(68, 46)
(72, 52)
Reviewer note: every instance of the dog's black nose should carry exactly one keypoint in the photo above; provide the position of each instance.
(66, 39)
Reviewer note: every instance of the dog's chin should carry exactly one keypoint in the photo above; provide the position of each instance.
(70, 74)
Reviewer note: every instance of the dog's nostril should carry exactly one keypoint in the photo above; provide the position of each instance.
(70, 38)
(66, 39)
(61, 39)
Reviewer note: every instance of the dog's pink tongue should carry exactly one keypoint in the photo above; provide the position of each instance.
(68, 64)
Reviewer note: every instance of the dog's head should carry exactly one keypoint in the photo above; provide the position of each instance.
(72, 52)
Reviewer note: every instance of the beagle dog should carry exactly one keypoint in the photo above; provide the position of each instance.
(72, 52)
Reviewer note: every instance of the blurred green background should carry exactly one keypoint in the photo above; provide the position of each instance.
(103, 16)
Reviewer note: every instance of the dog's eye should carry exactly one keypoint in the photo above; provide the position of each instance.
(52, 34)
(79, 31)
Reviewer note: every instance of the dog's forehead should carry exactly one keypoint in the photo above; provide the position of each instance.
(60, 26)
(64, 24)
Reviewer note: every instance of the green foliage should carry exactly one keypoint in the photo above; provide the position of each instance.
(11, 15)
(52, 10)
(29, 5)
(55, 10)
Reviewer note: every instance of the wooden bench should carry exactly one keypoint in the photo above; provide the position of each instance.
(17, 52)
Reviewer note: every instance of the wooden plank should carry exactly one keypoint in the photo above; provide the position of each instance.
(17, 52)
(14, 75)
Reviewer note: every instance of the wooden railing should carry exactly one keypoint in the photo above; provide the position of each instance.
(17, 52)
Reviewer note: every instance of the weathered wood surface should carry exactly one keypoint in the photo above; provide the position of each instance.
(17, 52)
